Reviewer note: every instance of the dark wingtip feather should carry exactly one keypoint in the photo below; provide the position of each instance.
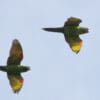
(77, 52)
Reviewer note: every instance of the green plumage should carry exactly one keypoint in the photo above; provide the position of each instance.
(13, 67)
(71, 31)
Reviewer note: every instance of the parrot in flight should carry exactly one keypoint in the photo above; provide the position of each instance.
(13, 67)
(71, 31)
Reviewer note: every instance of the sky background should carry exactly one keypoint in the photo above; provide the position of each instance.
(56, 72)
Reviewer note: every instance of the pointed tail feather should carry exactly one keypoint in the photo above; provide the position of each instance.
(24, 68)
(58, 29)
(83, 30)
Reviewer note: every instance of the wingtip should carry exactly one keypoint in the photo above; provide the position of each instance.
(77, 52)
(16, 91)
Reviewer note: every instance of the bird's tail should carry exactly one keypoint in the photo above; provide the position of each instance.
(3, 68)
(57, 29)
(24, 68)
(83, 30)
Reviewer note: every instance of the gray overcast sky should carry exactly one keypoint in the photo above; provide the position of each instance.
(56, 72)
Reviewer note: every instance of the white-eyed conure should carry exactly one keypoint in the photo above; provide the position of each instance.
(13, 67)
(71, 31)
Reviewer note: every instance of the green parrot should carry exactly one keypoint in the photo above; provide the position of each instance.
(13, 67)
(71, 31)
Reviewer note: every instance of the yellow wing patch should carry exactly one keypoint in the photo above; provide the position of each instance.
(76, 47)
(74, 43)
(16, 82)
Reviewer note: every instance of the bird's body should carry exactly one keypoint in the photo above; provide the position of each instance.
(13, 67)
(71, 31)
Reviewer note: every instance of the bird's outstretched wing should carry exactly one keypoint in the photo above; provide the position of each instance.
(75, 43)
(16, 82)
(73, 21)
(16, 53)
